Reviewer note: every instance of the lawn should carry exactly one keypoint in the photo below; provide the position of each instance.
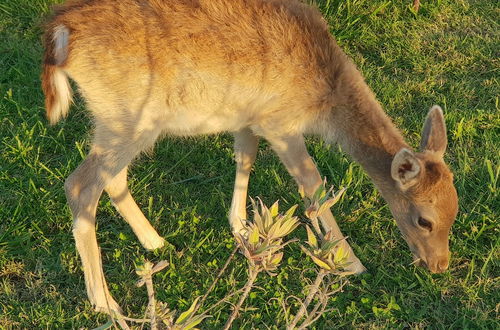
(447, 54)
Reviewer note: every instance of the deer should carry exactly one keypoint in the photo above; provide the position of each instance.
(254, 68)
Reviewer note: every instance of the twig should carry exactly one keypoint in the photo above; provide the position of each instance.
(306, 323)
(323, 300)
(223, 300)
(122, 324)
(223, 269)
(248, 286)
(314, 315)
(313, 290)
(146, 272)
(148, 279)
(131, 319)
(145, 314)
(282, 302)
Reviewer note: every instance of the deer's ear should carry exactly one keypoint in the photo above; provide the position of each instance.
(434, 132)
(405, 168)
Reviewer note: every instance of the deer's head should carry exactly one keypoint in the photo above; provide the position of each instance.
(425, 202)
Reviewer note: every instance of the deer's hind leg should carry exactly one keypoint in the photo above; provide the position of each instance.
(124, 203)
(293, 153)
(111, 153)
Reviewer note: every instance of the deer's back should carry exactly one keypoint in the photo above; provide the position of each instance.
(201, 66)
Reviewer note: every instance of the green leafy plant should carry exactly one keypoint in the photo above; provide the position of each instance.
(262, 244)
(325, 251)
(159, 313)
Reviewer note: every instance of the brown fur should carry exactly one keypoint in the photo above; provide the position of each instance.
(48, 88)
(255, 68)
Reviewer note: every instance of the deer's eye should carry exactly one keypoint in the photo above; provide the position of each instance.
(424, 223)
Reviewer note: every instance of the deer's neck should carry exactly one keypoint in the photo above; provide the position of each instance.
(358, 123)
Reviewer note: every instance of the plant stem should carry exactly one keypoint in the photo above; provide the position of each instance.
(252, 276)
(314, 315)
(223, 269)
(313, 290)
(123, 324)
(148, 279)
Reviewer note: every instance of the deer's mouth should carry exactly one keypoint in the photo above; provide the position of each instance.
(439, 265)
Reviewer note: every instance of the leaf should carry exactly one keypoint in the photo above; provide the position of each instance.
(337, 196)
(263, 248)
(329, 245)
(306, 250)
(311, 238)
(330, 260)
(324, 198)
(282, 227)
(144, 269)
(243, 244)
(315, 259)
(253, 239)
(321, 263)
(256, 216)
(330, 202)
(288, 227)
(184, 316)
(273, 232)
(159, 266)
(291, 211)
(107, 325)
(318, 193)
(340, 255)
(196, 320)
(274, 209)
(268, 219)
(276, 259)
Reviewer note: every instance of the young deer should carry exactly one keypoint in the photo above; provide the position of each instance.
(256, 68)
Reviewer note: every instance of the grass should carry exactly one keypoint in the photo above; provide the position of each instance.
(446, 54)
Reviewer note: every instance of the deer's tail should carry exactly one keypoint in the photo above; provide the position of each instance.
(55, 83)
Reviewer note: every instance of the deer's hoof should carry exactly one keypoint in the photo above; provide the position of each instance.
(153, 243)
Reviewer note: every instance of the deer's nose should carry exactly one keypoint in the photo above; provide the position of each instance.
(436, 265)
(443, 263)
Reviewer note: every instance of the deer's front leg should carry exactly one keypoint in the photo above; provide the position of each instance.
(293, 153)
(245, 151)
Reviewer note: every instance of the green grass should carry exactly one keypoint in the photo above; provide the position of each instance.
(446, 54)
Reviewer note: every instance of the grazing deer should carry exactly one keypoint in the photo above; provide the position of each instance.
(256, 68)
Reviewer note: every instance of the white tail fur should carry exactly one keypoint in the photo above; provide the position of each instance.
(63, 96)
(55, 84)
